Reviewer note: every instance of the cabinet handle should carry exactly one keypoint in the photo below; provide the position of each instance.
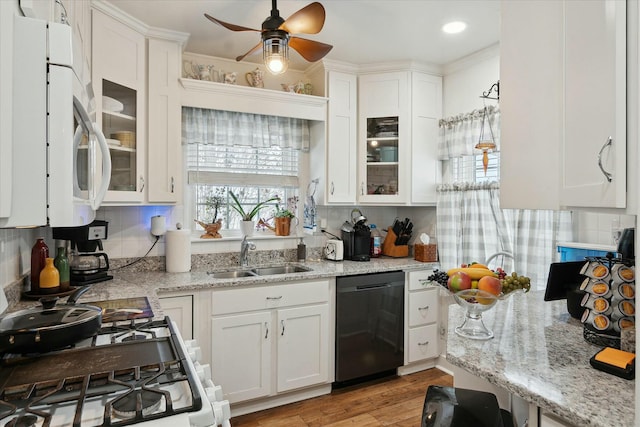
(141, 184)
(274, 298)
(607, 175)
(173, 184)
(266, 327)
(426, 307)
(424, 343)
(362, 188)
(332, 188)
(424, 282)
(282, 324)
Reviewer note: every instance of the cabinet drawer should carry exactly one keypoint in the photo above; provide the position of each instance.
(266, 297)
(423, 307)
(418, 279)
(423, 343)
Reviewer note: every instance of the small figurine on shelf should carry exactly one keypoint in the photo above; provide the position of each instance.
(212, 231)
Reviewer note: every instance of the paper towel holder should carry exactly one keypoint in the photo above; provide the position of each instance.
(158, 225)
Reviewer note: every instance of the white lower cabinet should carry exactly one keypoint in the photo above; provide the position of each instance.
(303, 340)
(270, 339)
(422, 317)
(179, 308)
(241, 355)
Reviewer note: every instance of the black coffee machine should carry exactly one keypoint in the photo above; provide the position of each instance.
(356, 237)
(86, 265)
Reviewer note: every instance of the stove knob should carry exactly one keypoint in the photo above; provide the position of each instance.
(222, 412)
(207, 371)
(214, 394)
(199, 371)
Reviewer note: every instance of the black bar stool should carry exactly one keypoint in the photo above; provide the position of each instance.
(459, 407)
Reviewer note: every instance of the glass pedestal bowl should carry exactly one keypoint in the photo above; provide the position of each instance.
(474, 302)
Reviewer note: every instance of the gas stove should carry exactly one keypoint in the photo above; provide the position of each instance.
(138, 372)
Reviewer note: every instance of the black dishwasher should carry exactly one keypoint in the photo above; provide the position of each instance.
(369, 326)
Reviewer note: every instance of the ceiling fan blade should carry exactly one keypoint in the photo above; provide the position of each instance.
(252, 50)
(309, 49)
(308, 20)
(232, 27)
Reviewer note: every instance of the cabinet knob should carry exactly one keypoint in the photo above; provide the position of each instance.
(607, 175)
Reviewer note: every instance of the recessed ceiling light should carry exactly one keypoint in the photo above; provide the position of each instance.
(454, 27)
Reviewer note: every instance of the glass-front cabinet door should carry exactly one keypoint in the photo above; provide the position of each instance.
(119, 119)
(382, 151)
(384, 144)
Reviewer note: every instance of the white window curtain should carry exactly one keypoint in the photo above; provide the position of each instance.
(204, 126)
(471, 226)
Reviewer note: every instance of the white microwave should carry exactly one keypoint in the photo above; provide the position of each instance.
(55, 164)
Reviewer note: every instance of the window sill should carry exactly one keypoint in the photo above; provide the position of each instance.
(230, 235)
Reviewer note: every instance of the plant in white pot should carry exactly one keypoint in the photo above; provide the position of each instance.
(247, 225)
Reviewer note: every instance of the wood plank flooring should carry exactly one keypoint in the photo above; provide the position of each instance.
(387, 402)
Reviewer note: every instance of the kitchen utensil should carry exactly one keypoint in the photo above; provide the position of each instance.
(359, 218)
(49, 327)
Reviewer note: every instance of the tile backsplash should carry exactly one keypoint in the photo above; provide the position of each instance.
(597, 228)
(15, 252)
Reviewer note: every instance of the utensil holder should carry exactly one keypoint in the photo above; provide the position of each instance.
(389, 247)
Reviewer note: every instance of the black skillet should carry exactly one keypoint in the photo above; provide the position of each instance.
(50, 326)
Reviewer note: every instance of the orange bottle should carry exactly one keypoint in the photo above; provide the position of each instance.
(49, 278)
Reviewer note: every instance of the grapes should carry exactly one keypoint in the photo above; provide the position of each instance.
(439, 277)
(515, 282)
(501, 273)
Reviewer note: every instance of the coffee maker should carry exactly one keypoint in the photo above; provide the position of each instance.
(86, 264)
(356, 237)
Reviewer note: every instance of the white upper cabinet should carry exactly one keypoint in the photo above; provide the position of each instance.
(562, 99)
(119, 82)
(342, 132)
(595, 141)
(398, 138)
(426, 110)
(164, 125)
(384, 138)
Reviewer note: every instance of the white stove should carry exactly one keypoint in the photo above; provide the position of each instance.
(138, 372)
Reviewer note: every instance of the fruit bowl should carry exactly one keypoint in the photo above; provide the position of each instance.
(475, 302)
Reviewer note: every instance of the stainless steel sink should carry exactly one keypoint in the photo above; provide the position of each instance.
(258, 271)
(280, 269)
(232, 274)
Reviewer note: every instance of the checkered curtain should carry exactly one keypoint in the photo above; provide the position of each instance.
(471, 226)
(205, 126)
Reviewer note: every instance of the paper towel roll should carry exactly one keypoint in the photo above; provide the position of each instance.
(178, 251)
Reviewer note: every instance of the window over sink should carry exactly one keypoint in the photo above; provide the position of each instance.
(255, 156)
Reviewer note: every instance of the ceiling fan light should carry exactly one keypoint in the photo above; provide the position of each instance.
(275, 48)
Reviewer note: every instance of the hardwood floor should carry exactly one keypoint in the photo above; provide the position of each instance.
(387, 402)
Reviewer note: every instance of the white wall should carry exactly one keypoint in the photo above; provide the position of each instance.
(465, 80)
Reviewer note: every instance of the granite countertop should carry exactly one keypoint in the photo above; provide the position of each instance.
(538, 352)
(154, 283)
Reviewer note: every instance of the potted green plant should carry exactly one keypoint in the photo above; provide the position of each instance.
(247, 224)
(283, 217)
(282, 220)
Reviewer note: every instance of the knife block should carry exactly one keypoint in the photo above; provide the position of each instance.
(389, 247)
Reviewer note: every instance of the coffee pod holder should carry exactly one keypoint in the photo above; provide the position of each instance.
(610, 335)
(389, 247)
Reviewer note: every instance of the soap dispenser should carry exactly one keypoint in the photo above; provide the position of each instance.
(302, 251)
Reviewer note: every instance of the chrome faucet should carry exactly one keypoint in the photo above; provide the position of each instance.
(245, 245)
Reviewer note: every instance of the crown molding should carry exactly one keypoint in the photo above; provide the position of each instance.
(472, 59)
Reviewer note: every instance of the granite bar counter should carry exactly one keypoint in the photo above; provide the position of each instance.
(539, 353)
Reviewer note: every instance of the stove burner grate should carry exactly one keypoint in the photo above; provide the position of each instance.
(145, 401)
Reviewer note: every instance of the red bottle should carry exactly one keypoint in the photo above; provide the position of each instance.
(39, 255)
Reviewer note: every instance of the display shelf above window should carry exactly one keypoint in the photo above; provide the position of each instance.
(227, 97)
